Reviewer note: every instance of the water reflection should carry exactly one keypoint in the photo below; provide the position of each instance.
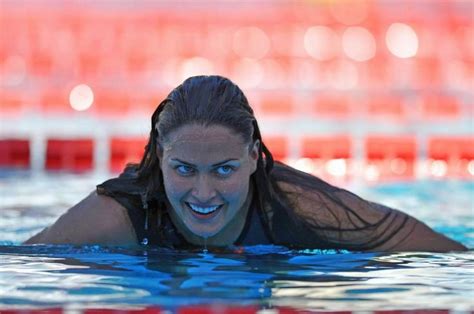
(96, 276)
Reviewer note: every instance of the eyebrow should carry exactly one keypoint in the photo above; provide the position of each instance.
(214, 165)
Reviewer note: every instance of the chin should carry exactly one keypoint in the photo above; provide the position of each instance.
(204, 234)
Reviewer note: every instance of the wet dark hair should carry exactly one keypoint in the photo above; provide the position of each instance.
(215, 100)
(205, 100)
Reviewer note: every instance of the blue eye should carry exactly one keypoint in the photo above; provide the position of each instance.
(225, 170)
(184, 170)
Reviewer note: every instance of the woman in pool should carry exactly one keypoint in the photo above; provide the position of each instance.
(207, 178)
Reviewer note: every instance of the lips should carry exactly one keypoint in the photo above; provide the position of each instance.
(203, 212)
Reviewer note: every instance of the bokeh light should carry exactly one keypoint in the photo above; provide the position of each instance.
(358, 44)
(248, 73)
(251, 42)
(321, 42)
(305, 165)
(470, 167)
(398, 166)
(372, 173)
(438, 168)
(196, 66)
(81, 97)
(402, 40)
(337, 167)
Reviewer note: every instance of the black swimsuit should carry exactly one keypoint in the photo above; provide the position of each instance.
(252, 234)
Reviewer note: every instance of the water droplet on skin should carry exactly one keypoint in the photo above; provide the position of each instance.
(205, 246)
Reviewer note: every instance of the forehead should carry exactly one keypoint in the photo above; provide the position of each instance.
(204, 143)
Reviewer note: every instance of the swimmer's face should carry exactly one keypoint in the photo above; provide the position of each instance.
(206, 174)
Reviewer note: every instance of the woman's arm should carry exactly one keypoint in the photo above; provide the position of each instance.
(417, 236)
(351, 222)
(97, 219)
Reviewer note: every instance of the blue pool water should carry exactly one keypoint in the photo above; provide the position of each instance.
(75, 277)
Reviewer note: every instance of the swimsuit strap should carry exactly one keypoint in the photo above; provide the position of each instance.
(248, 223)
(255, 230)
(132, 204)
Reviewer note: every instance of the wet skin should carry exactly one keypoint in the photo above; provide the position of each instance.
(206, 174)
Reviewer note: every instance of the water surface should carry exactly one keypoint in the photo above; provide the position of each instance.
(80, 277)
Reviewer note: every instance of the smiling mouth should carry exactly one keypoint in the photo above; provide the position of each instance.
(203, 211)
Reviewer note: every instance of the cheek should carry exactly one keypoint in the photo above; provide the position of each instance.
(235, 190)
(174, 184)
(239, 185)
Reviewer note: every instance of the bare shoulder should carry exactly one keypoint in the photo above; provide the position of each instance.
(97, 219)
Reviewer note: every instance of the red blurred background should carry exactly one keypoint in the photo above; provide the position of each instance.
(374, 90)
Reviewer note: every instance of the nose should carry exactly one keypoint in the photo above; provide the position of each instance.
(204, 190)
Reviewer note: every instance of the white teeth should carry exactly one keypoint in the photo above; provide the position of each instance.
(203, 210)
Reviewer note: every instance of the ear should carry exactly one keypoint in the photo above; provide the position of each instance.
(253, 154)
